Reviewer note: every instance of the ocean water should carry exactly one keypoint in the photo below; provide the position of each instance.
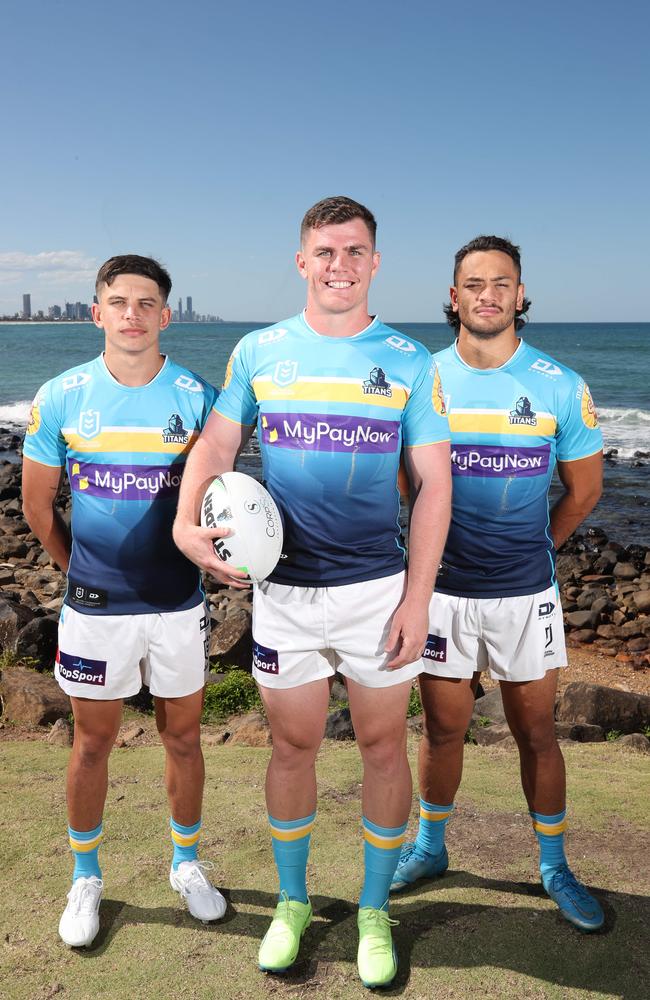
(614, 358)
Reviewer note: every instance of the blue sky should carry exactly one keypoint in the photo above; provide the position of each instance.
(201, 132)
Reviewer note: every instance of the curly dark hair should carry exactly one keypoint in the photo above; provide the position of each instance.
(481, 243)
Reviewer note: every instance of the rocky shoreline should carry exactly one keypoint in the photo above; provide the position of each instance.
(605, 594)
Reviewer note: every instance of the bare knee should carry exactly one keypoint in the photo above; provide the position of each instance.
(183, 745)
(92, 748)
(537, 737)
(385, 754)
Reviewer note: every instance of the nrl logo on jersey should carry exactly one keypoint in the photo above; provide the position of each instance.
(89, 424)
(174, 432)
(376, 384)
(286, 373)
(522, 413)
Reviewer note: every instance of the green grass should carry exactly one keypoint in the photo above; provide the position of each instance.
(482, 931)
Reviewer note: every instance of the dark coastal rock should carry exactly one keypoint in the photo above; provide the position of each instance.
(579, 733)
(32, 698)
(625, 571)
(490, 706)
(339, 725)
(13, 617)
(38, 641)
(582, 619)
(598, 705)
(642, 601)
(487, 736)
(581, 636)
(231, 642)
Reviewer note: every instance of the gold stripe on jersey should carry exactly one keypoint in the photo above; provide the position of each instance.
(332, 390)
(135, 440)
(499, 422)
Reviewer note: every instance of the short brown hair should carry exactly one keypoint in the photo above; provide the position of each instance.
(131, 263)
(333, 211)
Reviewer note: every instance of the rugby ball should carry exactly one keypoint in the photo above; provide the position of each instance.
(236, 501)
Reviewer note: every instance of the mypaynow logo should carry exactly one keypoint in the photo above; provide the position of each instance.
(125, 482)
(330, 432)
(492, 460)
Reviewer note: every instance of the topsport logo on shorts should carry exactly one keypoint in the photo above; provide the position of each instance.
(330, 432)
(499, 461)
(81, 669)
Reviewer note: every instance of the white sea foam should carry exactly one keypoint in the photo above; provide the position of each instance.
(626, 429)
(15, 415)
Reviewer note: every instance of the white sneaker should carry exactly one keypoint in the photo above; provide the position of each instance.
(203, 901)
(79, 922)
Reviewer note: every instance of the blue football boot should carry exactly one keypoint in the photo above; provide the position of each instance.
(414, 865)
(576, 905)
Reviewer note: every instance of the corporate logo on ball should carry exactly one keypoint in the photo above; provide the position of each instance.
(522, 413)
(499, 461)
(330, 432)
(174, 432)
(376, 384)
(81, 669)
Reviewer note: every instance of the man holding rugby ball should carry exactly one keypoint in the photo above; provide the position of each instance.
(334, 395)
(134, 609)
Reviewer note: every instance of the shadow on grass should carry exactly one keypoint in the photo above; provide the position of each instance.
(432, 934)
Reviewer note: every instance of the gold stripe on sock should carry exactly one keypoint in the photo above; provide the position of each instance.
(185, 839)
(386, 843)
(295, 834)
(550, 829)
(84, 846)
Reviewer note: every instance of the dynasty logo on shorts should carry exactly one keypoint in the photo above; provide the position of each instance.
(81, 669)
(265, 659)
(436, 648)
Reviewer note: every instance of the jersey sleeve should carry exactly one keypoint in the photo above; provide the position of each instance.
(424, 420)
(578, 432)
(237, 401)
(44, 441)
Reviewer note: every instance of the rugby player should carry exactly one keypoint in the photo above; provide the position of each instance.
(134, 609)
(334, 394)
(513, 412)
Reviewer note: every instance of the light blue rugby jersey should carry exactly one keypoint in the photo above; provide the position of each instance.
(332, 415)
(125, 449)
(508, 427)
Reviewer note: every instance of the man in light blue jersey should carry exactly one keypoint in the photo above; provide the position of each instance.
(123, 426)
(514, 413)
(334, 395)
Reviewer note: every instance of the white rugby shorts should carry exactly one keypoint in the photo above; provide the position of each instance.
(303, 634)
(515, 638)
(111, 656)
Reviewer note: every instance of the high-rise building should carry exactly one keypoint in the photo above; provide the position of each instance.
(54, 312)
(27, 306)
(190, 313)
(180, 310)
(69, 310)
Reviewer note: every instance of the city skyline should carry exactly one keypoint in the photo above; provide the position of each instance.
(81, 312)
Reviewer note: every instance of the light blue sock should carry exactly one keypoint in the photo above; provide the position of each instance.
(84, 845)
(186, 841)
(549, 831)
(291, 839)
(382, 846)
(433, 823)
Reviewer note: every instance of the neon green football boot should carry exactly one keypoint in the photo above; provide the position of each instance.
(279, 947)
(376, 958)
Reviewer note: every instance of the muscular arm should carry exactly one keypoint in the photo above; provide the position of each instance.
(583, 485)
(40, 488)
(429, 472)
(215, 452)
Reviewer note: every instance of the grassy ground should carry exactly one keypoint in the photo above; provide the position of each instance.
(484, 930)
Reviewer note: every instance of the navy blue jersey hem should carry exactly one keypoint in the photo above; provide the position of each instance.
(141, 609)
(496, 592)
(338, 581)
